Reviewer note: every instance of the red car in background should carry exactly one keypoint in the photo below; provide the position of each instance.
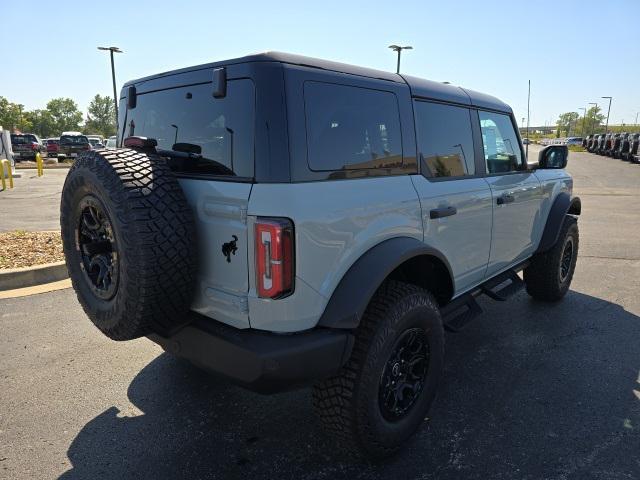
(53, 147)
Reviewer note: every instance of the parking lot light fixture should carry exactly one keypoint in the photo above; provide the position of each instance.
(606, 128)
(113, 50)
(397, 48)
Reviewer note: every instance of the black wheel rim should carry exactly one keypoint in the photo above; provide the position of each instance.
(567, 258)
(404, 374)
(96, 243)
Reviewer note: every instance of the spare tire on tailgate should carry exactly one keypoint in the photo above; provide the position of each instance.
(129, 241)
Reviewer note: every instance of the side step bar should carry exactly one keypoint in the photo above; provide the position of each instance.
(514, 286)
(458, 313)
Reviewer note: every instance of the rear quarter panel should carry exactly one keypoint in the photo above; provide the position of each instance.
(335, 223)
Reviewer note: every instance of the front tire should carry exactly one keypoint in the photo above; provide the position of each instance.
(549, 275)
(381, 396)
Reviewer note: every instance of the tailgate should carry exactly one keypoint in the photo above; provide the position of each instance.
(220, 210)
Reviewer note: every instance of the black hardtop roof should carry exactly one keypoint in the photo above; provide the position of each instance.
(419, 87)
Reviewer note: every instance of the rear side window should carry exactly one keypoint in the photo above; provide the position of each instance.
(198, 133)
(501, 147)
(351, 128)
(445, 139)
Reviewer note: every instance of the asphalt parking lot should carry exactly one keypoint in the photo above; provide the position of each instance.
(34, 202)
(531, 391)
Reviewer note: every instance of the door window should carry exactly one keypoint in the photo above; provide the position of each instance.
(502, 151)
(444, 139)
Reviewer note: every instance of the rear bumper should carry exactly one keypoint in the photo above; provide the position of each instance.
(260, 361)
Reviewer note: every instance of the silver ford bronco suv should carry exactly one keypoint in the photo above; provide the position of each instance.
(285, 221)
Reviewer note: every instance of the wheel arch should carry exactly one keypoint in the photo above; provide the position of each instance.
(401, 258)
(562, 205)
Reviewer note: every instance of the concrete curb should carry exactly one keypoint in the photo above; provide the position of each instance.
(13, 278)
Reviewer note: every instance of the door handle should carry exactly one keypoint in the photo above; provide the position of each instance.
(504, 199)
(442, 212)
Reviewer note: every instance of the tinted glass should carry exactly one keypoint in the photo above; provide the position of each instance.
(198, 133)
(74, 139)
(351, 128)
(444, 139)
(18, 139)
(501, 147)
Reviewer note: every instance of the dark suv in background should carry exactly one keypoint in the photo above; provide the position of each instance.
(25, 146)
(72, 145)
(632, 152)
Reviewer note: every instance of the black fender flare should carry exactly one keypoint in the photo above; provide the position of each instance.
(563, 205)
(356, 288)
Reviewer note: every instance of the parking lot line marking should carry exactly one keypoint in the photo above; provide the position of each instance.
(44, 288)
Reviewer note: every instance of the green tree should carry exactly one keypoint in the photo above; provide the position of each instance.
(101, 116)
(12, 116)
(566, 122)
(42, 123)
(64, 114)
(592, 121)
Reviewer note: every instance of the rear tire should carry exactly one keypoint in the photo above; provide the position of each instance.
(129, 241)
(360, 406)
(549, 274)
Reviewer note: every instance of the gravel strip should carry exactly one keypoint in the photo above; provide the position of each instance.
(25, 249)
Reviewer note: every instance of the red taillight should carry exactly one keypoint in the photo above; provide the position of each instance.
(274, 257)
(34, 146)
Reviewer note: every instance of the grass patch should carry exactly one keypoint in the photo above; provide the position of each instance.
(576, 148)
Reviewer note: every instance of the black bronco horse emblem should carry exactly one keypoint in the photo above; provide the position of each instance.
(230, 248)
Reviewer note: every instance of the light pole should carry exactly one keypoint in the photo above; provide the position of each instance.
(113, 50)
(594, 117)
(606, 128)
(584, 119)
(636, 122)
(397, 48)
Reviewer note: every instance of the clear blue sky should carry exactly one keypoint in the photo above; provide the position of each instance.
(493, 46)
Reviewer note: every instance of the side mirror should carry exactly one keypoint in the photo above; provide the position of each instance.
(553, 157)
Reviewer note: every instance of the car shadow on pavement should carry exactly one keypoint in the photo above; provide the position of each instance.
(531, 390)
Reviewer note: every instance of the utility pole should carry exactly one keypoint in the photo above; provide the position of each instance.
(528, 103)
(397, 48)
(113, 50)
(606, 128)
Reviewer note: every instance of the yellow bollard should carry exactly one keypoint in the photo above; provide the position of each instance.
(6, 163)
(39, 164)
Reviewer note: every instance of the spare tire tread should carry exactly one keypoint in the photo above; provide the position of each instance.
(155, 233)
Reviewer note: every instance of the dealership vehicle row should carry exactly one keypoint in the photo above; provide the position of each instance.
(25, 146)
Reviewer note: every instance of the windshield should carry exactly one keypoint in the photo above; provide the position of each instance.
(73, 139)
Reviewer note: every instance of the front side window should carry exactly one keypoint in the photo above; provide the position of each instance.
(351, 128)
(199, 134)
(445, 139)
(502, 152)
